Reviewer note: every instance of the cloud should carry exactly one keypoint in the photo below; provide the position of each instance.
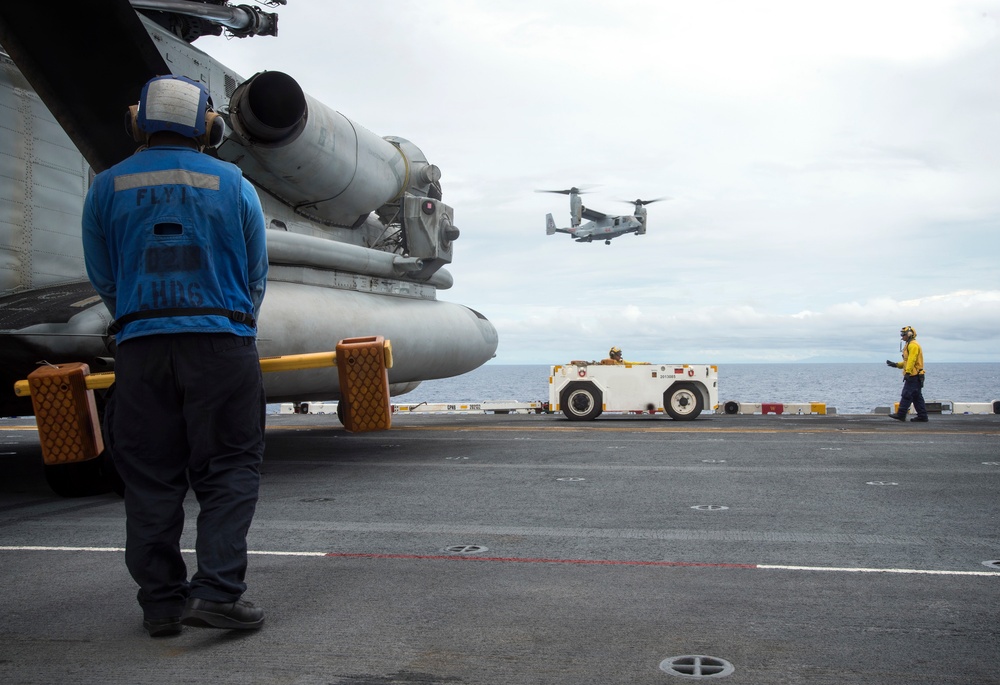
(956, 326)
(832, 169)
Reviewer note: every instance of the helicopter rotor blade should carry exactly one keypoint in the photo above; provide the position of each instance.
(647, 202)
(578, 190)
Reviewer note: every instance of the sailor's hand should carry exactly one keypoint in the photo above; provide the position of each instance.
(889, 362)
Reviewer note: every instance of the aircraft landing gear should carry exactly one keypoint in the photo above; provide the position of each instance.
(85, 478)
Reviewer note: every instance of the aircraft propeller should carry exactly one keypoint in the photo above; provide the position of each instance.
(646, 202)
(582, 190)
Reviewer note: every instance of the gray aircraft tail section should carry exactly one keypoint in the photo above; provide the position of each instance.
(550, 225)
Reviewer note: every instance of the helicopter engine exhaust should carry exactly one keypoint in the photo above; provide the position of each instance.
(313, 158)
(273, 104)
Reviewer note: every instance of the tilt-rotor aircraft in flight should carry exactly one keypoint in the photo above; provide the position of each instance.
(358, 235)
(599, 226)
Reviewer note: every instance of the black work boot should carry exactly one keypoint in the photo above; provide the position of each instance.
(238, 615)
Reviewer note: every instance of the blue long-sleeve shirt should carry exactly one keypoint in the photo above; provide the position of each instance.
(170, 228)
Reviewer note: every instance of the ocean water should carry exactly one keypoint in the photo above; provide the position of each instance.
(851, 388)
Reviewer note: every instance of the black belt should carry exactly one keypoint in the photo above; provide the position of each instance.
(238, 317)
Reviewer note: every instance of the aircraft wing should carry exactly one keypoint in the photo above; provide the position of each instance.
(104, 58)
(593, 215)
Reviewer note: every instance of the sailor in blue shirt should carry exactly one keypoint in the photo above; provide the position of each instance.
(174, 244)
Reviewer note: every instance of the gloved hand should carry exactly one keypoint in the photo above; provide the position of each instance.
(889, 362)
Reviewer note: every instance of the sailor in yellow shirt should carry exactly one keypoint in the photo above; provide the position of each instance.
(913, 376)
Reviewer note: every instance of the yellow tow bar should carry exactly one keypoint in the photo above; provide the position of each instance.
(66, 412)
(103, 380)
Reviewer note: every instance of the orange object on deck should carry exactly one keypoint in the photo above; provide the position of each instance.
(66, 413)
(364, 383)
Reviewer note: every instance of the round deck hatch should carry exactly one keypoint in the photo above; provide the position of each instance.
(697, 666)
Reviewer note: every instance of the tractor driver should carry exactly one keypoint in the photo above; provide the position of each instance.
(615, 354)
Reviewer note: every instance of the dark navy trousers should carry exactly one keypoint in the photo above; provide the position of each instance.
(187, 410)
(913, 395)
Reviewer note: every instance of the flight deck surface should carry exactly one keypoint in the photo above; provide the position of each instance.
(532, 549)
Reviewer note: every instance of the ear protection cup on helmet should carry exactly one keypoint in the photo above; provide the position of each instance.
(215, 130)
(132, 125)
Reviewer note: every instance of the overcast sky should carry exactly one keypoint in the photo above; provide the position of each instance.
(833, 168)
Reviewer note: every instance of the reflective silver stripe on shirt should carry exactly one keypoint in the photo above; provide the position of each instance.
(181, 177)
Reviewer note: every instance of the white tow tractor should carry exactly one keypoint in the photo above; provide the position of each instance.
(584, 390)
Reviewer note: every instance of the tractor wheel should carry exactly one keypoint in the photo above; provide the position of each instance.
(683, 402)
(581, 401)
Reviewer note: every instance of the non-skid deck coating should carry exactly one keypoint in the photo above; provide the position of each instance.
(530, 549)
